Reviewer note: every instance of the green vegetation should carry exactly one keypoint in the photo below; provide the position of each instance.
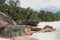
(58, 13)
(18, 13)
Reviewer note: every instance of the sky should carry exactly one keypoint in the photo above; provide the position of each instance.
(41, 4)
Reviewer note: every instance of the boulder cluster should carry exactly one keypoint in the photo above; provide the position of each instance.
(47, 28)
(9, 28)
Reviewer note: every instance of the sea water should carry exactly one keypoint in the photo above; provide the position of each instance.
(54, 35)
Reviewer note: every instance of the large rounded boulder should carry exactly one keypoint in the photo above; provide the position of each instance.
(6, 20)
(13, 31)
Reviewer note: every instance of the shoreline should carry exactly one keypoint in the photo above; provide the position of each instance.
(19, 38)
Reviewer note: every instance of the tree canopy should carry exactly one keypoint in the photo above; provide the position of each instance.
(18, 13)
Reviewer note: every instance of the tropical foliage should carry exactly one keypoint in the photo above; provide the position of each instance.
(12, 9)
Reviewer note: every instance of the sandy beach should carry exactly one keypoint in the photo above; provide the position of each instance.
(54, 35)
(19, 38)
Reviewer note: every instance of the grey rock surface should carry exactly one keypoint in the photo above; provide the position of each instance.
(31, 22)
(13, 31)
(6, 20)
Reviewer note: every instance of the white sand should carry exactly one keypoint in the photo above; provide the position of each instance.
(48, 35)
(44, 36)
(54, 24)
(4, 39)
